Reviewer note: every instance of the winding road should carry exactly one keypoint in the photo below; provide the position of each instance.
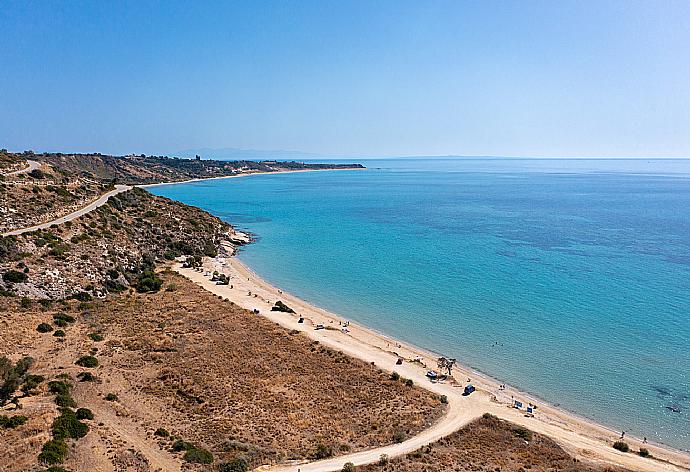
(33, 165)
(102, 200)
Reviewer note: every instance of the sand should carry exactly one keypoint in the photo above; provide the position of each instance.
(580, 437)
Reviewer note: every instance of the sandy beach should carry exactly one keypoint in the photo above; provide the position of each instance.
(160, 184)
(580, 437)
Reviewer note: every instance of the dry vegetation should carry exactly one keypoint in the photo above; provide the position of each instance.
(42, 195)
(206, 371)
(489, 444)
(107, 250)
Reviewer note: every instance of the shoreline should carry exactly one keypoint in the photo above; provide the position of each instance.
(245, 174)
(580, 436)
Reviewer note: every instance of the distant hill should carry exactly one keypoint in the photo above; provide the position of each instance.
(141, 169)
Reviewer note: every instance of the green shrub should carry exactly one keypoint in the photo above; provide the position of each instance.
(399, 436)
(55, 469)
(10, 422)
(25, 303)
(82, 296)
(395, 377)
(409, 382)
(31, 382)
(84, 414)
(162, 433)
(64, 317)
(444, 399)
(60, 323)
(86, 377)
(87, 361)
(644, 452)
(96, 337)
(44, 328)
(111, 397)
(236, 465)
(68, 426)
(621, 446)
(523, 433)
(349, 467)
(14, 276)
(181, 445)
(58, 387)
(323, 451)
(53, 452)
(59, 333)
(197, 455)
(383, 460)
(65, 400)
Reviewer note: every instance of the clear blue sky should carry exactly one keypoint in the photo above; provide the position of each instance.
(523, 78)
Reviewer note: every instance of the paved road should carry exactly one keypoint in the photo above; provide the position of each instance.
(32, 166)
(102, 200)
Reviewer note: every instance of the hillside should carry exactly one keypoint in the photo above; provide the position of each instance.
(137, 170)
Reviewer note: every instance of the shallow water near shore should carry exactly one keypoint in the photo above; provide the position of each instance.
(569, 279)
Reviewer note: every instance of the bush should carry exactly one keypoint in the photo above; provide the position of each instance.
(32, 382)
(395, 376)
(96, 337)
(444, 399)
(15, 277)
(25, 303)
(82, 296)
(60, 323)
(644, 452)
(55, 469)
(409, 382)
(197, 455)
(10, 422)
(323, 451)
(59, 333)
(161, 432)
(64, 317)
(68, 426)
(349, 467)
(53, 452)
(236, 465)
(86, 377)
(181, 445)
(523, 433)
(65, 400)
(44, 328)
(383, 460)
(87, 361)
(621, 446)
(398, 436)
(111, 397)
(84, 414)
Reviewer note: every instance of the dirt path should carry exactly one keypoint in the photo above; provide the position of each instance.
(102, 200)
(33, 165)
(579, 437)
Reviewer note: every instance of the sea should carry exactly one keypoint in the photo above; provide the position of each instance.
(565, 278)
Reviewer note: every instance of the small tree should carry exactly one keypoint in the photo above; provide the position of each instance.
(349, 467)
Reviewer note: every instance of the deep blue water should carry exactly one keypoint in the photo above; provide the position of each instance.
(579, 269)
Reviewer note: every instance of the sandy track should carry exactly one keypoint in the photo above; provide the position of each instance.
(33, 165)
(102, 200)
(579, 437)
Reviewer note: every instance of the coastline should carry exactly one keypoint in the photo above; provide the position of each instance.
(581, 437)
(160, 184)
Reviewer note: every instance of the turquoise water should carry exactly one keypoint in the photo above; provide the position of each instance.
(578, 269)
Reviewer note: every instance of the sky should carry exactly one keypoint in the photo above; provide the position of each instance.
(348, 78)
